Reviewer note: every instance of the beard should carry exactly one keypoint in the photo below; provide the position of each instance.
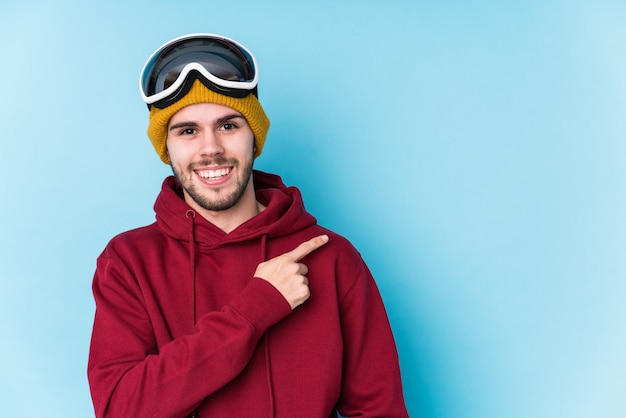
(219, 199)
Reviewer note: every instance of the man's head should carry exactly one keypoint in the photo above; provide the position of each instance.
(201, 68)
(211, 149)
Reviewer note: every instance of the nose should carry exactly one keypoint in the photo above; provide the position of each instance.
(211, 144)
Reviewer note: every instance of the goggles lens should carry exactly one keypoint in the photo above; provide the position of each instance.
(222, 64)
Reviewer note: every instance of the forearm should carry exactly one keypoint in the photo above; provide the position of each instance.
(131, 376)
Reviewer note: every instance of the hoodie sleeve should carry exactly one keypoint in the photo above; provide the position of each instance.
(372, 384)
(130, 376)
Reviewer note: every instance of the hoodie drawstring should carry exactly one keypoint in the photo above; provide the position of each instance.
(263, 247)
(191, 215)
(268, 363)
(268, 368)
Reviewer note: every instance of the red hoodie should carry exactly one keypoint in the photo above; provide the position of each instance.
(182, 327)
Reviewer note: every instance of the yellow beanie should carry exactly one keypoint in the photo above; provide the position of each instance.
(248, 106)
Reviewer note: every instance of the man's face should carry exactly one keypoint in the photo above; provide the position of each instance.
(210, 147)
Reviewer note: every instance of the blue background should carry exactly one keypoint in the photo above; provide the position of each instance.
(473, 151)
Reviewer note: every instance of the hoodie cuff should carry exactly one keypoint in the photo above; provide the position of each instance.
(261, 304)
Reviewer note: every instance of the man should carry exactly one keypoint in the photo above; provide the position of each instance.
(234, 303)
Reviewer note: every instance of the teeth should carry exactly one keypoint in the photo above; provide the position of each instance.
(214, 174)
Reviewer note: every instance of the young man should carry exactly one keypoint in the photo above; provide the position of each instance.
(234, 303)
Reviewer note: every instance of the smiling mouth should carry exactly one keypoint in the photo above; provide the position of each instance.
(214, 174)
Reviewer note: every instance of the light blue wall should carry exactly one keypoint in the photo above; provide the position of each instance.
(473, 152)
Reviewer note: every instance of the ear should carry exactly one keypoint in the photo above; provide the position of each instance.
(167, 153)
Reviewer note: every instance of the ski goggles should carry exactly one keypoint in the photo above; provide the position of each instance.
(221, 64)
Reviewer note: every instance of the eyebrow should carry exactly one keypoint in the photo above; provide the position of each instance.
(183, 125)
(229, 117)
(190, 124)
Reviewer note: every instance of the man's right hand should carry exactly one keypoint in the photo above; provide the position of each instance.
(288, 275)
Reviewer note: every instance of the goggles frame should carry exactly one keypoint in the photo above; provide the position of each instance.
(193, 70)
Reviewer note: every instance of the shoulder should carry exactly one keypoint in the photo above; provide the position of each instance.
(142, 237)
(339, 252)
(340, 265)
(141, 233)
(338, 243)
(129, 253)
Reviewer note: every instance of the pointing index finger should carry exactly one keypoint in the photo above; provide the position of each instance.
(307, 247)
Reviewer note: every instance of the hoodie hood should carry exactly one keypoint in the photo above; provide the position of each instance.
(284, 214)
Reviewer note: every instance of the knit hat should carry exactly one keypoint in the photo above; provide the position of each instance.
(248, 106)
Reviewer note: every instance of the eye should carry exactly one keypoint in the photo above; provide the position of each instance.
(229, 126)
(186, 132)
